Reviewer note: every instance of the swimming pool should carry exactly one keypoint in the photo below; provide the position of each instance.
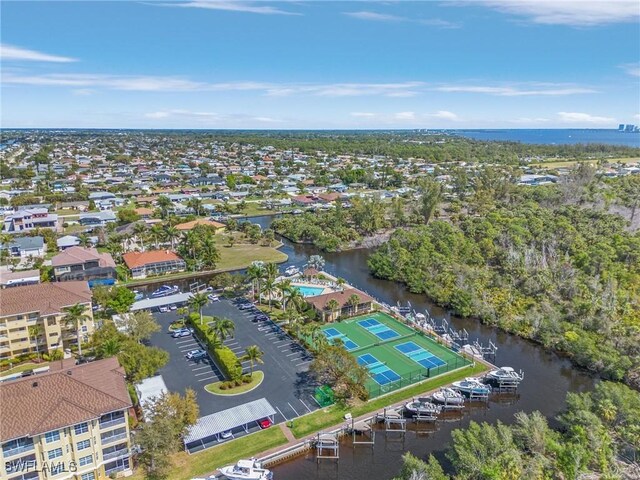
(309, 291)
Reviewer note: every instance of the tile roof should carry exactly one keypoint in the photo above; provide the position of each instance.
(342, 297)
(139, 259)
(195, 223)
(46, 298)
(60, 398)
(76, 255)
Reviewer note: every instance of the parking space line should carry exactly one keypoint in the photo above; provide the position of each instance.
(305, 405)
(286, 419)
(280, 341)
(303, 363)
(294, 353)
(208, 378)
(297, 414)
(179, 342)
(200, 374)
(200, 368)
(284, 346)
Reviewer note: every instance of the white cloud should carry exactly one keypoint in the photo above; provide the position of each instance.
(444, 115)
(175, 84)
(529, 120)
(637, 116)
(232, 6)
(577, 13)
(209, 117)
(383, 17)
(11, 52)
(632, 69)
(405, 116)
(517, 91)
(577, 117)
(363, 114)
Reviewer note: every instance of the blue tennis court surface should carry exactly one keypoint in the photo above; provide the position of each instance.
(380, 330)
(332, 333)
(419, 355)
(378, 370)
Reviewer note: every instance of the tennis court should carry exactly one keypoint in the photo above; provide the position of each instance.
(378, 370)
(333, 334)
(419, 355)
(372, 339)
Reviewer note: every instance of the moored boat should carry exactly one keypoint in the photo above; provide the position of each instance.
(449, 398)
(138, 295)
(246, 470)
(290, 271)
(504, 377)
(472, 387)
(165, 290)
(422, 406)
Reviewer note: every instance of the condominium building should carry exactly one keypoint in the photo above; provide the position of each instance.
(68, 423)
(42, 306)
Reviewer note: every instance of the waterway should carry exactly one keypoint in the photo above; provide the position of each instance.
(548, 378)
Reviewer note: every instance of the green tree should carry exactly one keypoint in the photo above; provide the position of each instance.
(222, 328)
(254, 355)
(121, 299)
(334, 366)
(35, 331)
(415, 469)
(140, 325)
(198, 301)
(75, 317)
(141, 362)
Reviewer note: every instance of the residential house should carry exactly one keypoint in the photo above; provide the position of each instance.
(344, 308)
(25, 247)
(153, 262)
(71, 422)
(67, 241)
(16, 279)
(43, 305)
(25, 220)
(97, 219)
(144, 213)
(77, 263)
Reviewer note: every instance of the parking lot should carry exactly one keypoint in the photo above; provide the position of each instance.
(286, 385)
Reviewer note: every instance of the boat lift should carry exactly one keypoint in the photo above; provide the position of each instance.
(364, 431)
(327, 446)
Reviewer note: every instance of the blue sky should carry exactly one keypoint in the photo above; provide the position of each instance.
(263, 64)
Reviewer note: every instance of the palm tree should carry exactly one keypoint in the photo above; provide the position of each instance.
(34, 332)
(140, 231)
(332, 305)
(354, 301)
(341, 282)
(316, 261)
(76, 317)
(295, 298)
(165, 204)
(172, 234)
(157, 234)
(209, 252)
(256, 273)
(254, 355)
(195, 204)
(84, 239)
(284, 287)
(110, 348)
(198, 302)
(272, 270)
(222, 328)
(269, 288)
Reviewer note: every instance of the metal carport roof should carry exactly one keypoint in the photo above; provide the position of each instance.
(229, 419)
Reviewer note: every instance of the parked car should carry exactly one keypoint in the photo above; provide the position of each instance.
(260, 317)
(196, 354)
(183, 332)
(226, 434)
(163, 309)
(245, 306)
(265, 423)
(213, 298)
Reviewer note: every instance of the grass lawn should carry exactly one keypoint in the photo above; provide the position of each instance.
(22, 368)
(334, 414)
(187, 466)
(256, 380)
(241, 256)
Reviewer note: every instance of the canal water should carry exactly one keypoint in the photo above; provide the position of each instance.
(548, 378)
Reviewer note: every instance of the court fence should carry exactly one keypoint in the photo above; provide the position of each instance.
(415, 376)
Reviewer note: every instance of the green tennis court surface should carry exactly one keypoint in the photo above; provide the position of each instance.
(395, 354)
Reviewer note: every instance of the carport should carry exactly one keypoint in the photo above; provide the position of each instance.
(208, 428)
(149, 303)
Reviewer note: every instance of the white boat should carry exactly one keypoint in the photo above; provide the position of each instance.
(290, 271)
(246, 470)
(471, 387)
(449, 398)
(504, 376)
(165, 290)
(138, 295)
(422, 406)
